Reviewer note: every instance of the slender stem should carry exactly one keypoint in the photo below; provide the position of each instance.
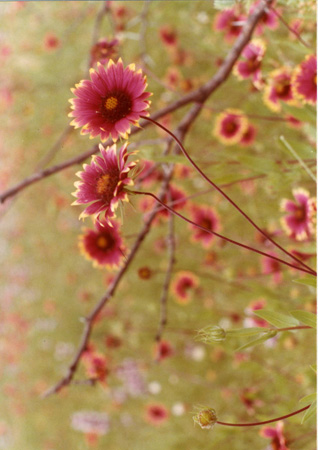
(227, 197)
(300, 327)
(220, 235)
(254, 424)
(292, 30)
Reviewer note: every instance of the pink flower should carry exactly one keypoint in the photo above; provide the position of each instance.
(163, 350)
(103, 245)
(250, 66)
(230, 22)
(253, 320)
(279, 89)
(156, 414)
(299, 222)
(271, 266)
(103, 182)
(230, 126)
(110, 102)
(206, 217)
(103, 51)
(51, 42)
(278, 440)
(249, 136)
(96, 365)
(269, 20)
(168, 36)
(184, 285)
(304, 80)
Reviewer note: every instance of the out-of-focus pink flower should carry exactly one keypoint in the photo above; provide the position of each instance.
(51, 42)
(103, 51)
(279, 89)
(156, 414)
(96, 365)
(273, 267)
(230, 22)
(103, 182)
(110, 102)
(304, 80)
(276, 435)
(269, 20)
(103, 245)
(300, 220)
(252, 320)
(168, 36)
(184, 285)
(250, 64)
(248, 137)
(206, 217)
(230, 126)
(163, 350)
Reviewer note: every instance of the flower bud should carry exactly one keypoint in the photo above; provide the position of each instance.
(211, 334)
(206, 418)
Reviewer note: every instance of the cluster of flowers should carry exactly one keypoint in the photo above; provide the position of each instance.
(294, 86)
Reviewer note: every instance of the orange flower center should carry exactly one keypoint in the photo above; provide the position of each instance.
(106, 185)
(230, 127)
(115, 106)
(111, 103)
(102, 242)
(300, 213)
(206, 223)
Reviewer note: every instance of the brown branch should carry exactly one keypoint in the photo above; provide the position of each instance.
(199, 95)
(165, 289)
(292, 30)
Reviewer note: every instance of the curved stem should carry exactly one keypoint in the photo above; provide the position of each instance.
(220, 235)
(254, 424)
(228, 198)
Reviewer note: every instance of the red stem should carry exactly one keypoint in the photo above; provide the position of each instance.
(312, 272)
(220, 235)
(254, 424)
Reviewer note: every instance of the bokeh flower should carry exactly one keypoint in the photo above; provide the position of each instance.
(168, 36)
(248, 137)
(103, 181)
(110, 102)
(206, 217)
(184, 286)
(163, 350)
(304, 80)
(250, 64)
(96, 365)
(103, 51)
(278, 440)
(279, 89)
(103, 245)
(272, 267)
(230, 22)
(156, 414)
(230, 126)
(299, 222)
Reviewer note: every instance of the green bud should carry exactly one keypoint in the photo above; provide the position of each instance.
(206, 418)
(211, 334)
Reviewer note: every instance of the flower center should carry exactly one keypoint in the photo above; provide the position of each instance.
(206, 223)
(115, 106)
(102, 242)
(282, 88)
(230, 127)
(106, 185)
(111, 103)
(300, 214)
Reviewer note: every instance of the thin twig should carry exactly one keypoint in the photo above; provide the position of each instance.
(254, 424)
(171, 243)
(220, 235)
(292, 30)
(186, 154)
